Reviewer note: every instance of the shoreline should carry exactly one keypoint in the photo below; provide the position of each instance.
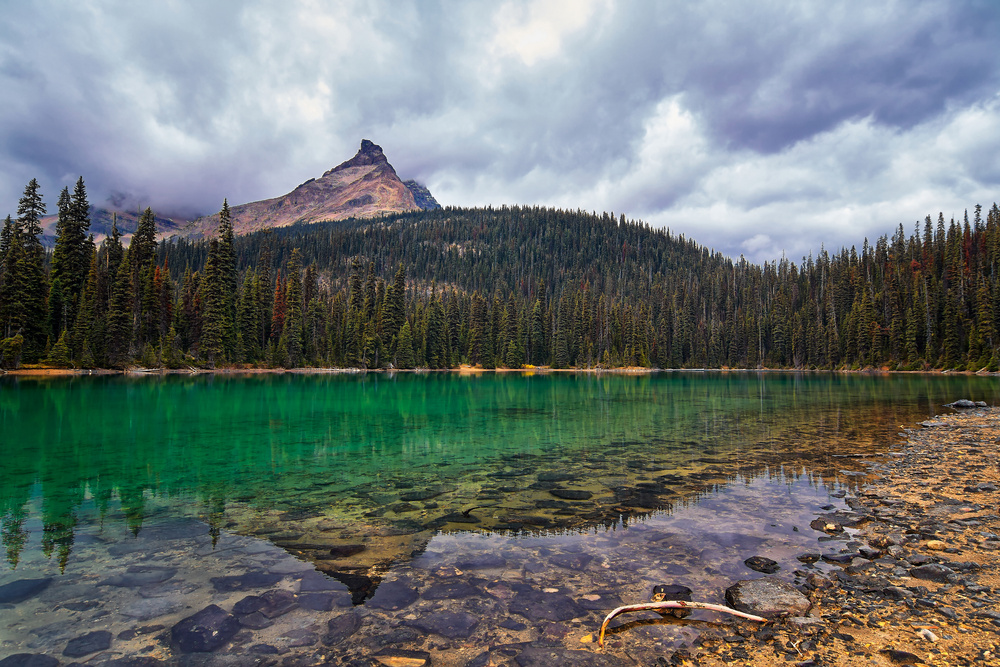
(919, 574)
(461, 370)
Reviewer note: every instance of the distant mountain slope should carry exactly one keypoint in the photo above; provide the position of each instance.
(100, 225)
(362, 187)
(422, 195)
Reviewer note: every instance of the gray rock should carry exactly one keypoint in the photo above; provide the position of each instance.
(29, 660)
(768, 597)
(762, 564)
(394, 595)
(92, 642)
(536, 605)
(136, 577)
(450, 590)
(450, 624)
(243, 582)
(205, 631)
(961, 404)
(571, 561)
(341, 627)
(145, 609)
(22, 589)
(932, 572)
(571, 494)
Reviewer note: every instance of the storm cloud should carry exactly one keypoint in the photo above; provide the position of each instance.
(756, 129)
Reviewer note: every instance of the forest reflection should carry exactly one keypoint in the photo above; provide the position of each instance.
(82, 449)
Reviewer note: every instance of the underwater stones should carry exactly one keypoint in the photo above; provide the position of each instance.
(554, 477)
(277, 603)
(22, 589)
(394, 595)
(141, 576)
(450, 624)
(243, 582)
(571, 494)
(313, 581)
(346, 550)
(450, 590)
(762, 564)
(341, 627)
(768, 597)
(29, 660)
(482, 561)
(92, 642)
(204, 631)
(571, 561)
(537, 605)
(148, 608)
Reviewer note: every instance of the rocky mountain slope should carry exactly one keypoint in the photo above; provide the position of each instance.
(362, 187)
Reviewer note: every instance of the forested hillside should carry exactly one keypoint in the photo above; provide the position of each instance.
(502, 287)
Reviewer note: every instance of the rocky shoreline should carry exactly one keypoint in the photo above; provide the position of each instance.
(919, 556)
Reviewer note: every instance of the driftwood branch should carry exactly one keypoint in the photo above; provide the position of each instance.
(673, 604)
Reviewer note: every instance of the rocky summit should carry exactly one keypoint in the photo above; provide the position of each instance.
(362, 187)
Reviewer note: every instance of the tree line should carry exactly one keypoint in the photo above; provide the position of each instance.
(491, 287)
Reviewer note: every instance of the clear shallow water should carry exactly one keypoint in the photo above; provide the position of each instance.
(591, 485)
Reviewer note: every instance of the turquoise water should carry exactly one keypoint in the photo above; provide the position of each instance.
(301, 442)
(378, 477)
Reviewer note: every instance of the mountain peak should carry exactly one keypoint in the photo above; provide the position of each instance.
(369, 154)
(363, 187)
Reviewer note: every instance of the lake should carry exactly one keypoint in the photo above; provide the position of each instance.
(344, 514)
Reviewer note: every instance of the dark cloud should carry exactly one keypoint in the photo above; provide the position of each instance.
(750, 127)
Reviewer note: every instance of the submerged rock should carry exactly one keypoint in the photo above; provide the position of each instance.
(394, 595)
(205, 631)
(450, 624)
(762, 564)
(92, 642)
(767, 597)
(29, 660)
(22, 589)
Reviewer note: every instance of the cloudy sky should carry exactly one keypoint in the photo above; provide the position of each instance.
(755, 128)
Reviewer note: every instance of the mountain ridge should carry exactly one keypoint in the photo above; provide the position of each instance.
(364, 186)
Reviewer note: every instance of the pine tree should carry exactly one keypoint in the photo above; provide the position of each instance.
(210, 346)
(294, 322)
(404, 348)
(228, 278)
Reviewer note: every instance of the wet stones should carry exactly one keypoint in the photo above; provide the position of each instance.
(449, 590)
(140, 576)
(29, 660)
(244, 582)
(571, 494)
(205, 631)
(92, 642)
(537, 605)
(22, 589)
(571, 561)
(762, 564)
(394, 595)
(341, 627)
(932, 572)
(450, 624)
(767, 597)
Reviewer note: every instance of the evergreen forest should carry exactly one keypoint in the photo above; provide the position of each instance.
(506, 287)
